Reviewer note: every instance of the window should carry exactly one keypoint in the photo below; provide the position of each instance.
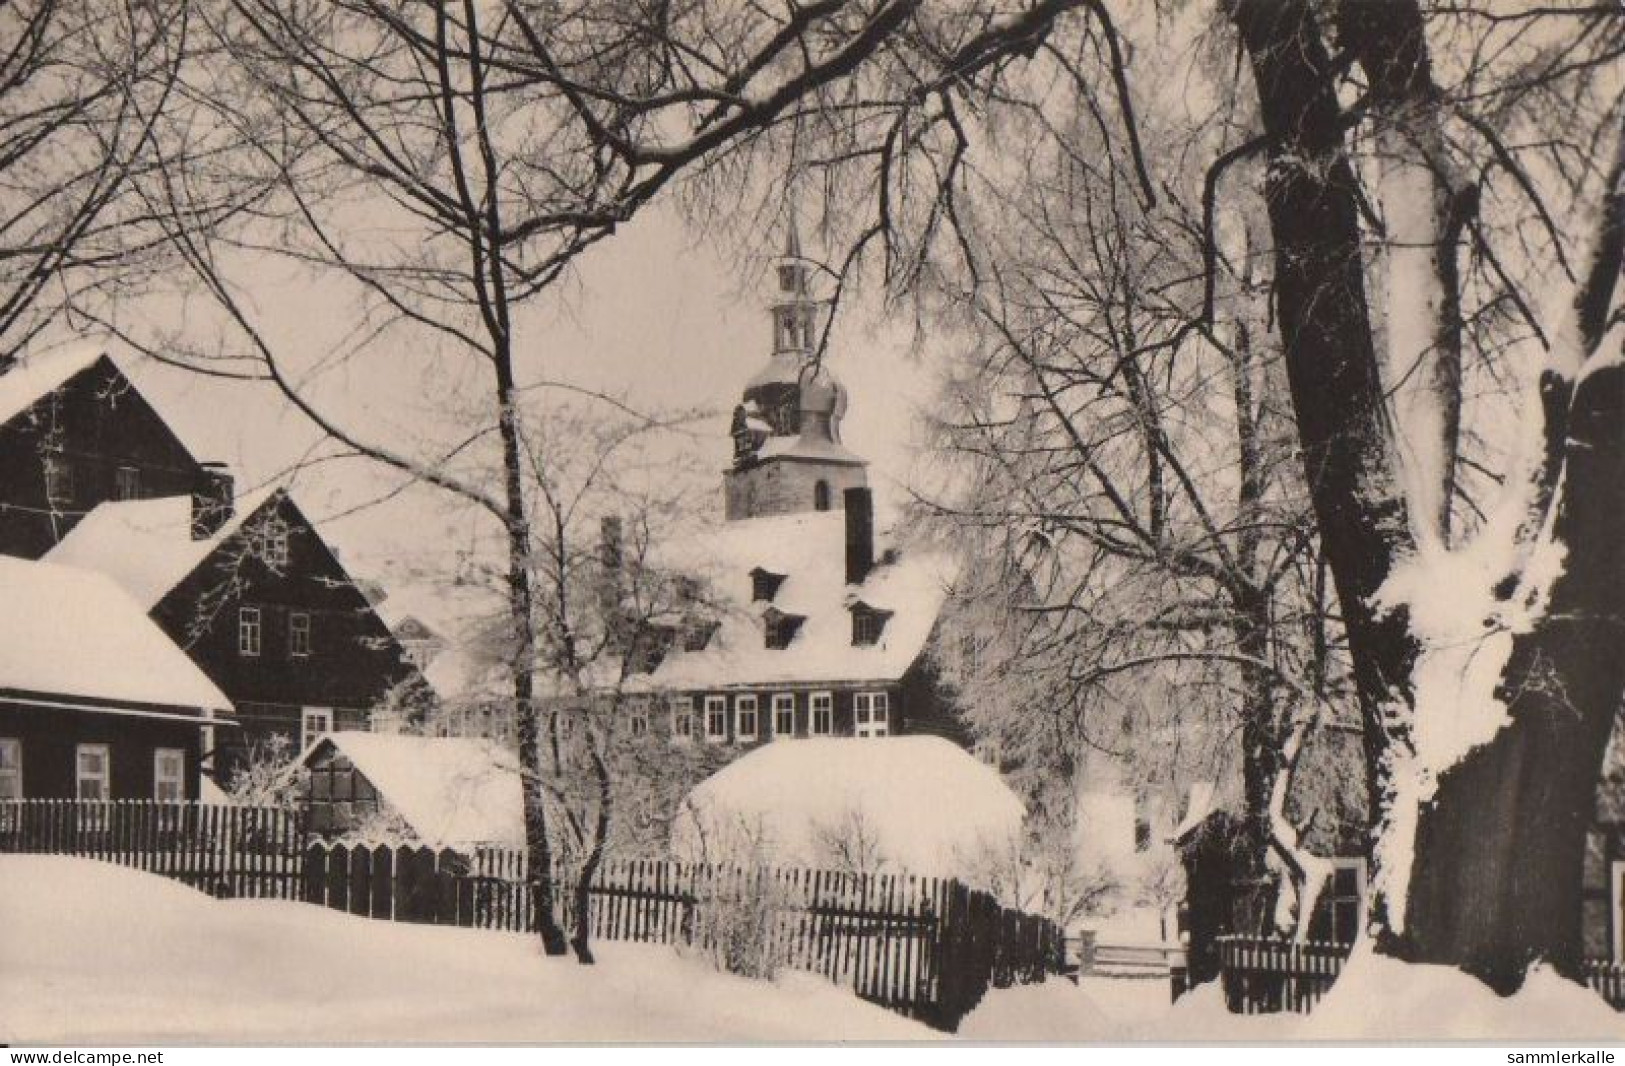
(313, 722)
(744, 718)
(299, 634)
(716, 718)
(11, 768)
(58, 479)
(1337, 913)
(248, 631)
(169, 775)
(866, 626)
(821, 496)
(127, 483)
(682, 719)
(870, 714)
(276, 544)
(764, 584)
(94, 776)
(779, 629)
(637, 719)
(784, 714)
(821, 720)
(696, 635)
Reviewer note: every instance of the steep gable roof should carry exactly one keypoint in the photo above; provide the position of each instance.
(449, 790)
(75, 634)
(147, 546)
(37, 376)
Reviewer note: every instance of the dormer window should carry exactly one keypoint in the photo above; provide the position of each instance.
(697, 634)
(867, 625)
(764, 585)
(779, 629)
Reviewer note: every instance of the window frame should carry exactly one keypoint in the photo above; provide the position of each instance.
(250, 631)
(637, 717)
(780, 703)
(299, 625)
(745, 704)
(813, 711)
(307, 735)
(682, 719)
(103, 779)
(127, 483)
(867, 626)
(11, 769)
(866, 706)
(717, 704)
(160, 778)
(59, 479)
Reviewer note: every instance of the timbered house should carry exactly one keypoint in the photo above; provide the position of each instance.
(259, 601)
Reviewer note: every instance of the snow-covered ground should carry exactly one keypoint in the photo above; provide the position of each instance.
(1376, 1000)
(94, 953)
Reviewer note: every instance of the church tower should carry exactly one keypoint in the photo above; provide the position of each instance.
(788, 455)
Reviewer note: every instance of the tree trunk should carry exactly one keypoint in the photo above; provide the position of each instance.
(539, 851)
(1499, 852)
(595, 856)
(1331, 361)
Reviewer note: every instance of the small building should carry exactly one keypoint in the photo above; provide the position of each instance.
(75, 433)
(1224, 896)
(919, 805)
(96, 701)
(439, 791)
(255, 596)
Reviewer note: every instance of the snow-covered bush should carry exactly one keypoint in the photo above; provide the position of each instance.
(267, 777)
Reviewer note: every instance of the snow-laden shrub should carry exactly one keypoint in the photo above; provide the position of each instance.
(736, 916)
(736, 903)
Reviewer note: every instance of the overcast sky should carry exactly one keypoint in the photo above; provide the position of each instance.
(655, 313)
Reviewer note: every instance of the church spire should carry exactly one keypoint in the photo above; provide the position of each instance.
(795, 313)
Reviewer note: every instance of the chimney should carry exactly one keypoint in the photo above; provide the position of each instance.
(211, 500)
(860, 534)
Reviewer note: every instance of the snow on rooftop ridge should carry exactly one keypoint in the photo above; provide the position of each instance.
(928, 805)
(37, 375)
(75, 633)
(146, 545)
(451, 791)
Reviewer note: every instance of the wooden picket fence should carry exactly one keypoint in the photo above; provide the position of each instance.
(1264, 976)
(925, 947)
(227, 852)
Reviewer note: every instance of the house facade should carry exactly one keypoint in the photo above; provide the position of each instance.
(259, 602)
(96, 701)
(74, 433)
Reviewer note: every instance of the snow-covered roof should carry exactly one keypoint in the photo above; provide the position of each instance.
(36, 376)
(146, 545)
(70, 633)
(927, 806)
(451, 791)
(809, 549)
(802, 446)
